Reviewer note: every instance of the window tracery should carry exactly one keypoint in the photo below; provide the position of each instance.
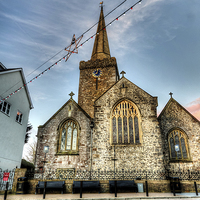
(125, 123)
(178, 145)
(68, 137)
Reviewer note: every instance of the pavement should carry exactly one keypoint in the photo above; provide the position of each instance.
(104, 196)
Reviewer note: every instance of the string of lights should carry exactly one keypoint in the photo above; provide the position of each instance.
(66, 57)
(116, 19)
(77, 38)
(105, 16)
(64, 48)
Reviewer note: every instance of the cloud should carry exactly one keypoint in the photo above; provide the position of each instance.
(143, 18)
(39, 96)
(27, 22)
(194, 108)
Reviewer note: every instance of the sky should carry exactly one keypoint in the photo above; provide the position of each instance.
(157, 44)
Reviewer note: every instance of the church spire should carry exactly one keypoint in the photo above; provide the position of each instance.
(101, 47)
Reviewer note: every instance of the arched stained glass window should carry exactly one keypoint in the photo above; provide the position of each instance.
(120, 130)
(125, 130)
(62, 147)
(136, 129)
(173, 153)
(184, 152)
(178, 145)
(68, 136)
(114, 129)
(131, 130)
(125, 123)
(74, 142)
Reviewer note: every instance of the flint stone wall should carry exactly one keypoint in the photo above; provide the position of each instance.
(87, 83)
(49, 135)
(147, 155)
(175, 116)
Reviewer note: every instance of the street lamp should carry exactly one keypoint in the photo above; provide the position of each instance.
(91, 146)
(46, 150)
(114, 159)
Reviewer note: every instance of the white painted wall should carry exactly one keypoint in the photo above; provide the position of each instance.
(12, 134)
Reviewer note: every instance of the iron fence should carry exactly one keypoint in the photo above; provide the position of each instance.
(10, 179)
(66, 174)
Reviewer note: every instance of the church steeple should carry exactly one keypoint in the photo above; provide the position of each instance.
(99, 73)
(101, 46)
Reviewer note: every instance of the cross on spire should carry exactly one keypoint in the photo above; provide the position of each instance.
(71, 94)
(123, 72)
(101, 4)
(171, 94)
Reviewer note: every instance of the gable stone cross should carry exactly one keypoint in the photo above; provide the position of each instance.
(71, 94)
(123, 72)
(171, 94)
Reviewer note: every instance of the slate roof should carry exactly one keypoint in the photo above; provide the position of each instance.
(11, 70)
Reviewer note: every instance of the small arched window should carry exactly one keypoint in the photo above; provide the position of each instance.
(125, 124)
(68, 140)
(178, 145)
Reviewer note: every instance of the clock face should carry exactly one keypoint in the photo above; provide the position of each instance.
(97, 73)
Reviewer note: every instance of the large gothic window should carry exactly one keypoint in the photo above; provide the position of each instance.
(68, 140)
(125, 124)
(178, 145)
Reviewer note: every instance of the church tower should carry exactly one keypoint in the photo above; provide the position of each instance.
(99, 73)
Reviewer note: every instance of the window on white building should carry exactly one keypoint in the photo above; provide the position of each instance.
(5, 107)
(19, 117)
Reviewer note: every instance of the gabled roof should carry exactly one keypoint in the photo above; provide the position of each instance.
(70, 100)
(2, 67)
(6, 71)
(172, 100)
(118, 82)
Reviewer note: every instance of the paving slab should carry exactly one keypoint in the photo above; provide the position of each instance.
(103, 196)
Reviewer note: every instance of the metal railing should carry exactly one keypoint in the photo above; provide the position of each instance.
(9, 181)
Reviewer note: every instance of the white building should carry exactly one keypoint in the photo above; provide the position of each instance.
(14, 113)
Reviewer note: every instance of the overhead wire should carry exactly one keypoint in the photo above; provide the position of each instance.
(65, 47)
(79, 36)
(69, 53)
(113, 21)
(104, 16)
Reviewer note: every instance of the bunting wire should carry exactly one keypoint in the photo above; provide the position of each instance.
(65, 47)
(66, 57)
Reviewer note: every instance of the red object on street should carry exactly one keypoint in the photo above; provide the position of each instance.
(6, 176)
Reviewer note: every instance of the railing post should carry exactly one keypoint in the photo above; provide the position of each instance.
(174, 188)
(189, 174)
(81, 189)
(147, 192)
(44, 191)
(5, 194)
(115, 188)
(146, 185)
(195, 185)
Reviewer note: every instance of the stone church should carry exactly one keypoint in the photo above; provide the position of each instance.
(115, 123)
